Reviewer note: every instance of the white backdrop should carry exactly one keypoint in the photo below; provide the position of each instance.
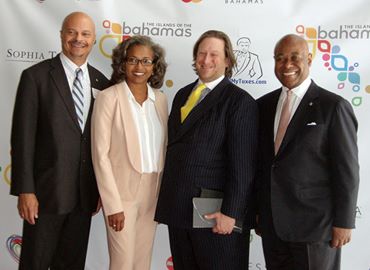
(338, 32)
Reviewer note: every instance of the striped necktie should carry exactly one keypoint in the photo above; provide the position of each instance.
(78, 97)
(192, 101)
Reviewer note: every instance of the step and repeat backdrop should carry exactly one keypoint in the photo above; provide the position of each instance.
(338, 32)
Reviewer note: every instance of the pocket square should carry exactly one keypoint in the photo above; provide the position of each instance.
(311, 124)
(95, 92)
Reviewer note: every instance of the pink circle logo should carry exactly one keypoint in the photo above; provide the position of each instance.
(194, 1)
(169, 264)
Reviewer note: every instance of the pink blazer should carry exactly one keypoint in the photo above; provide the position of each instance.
(115, 146)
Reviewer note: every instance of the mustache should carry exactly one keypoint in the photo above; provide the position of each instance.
(78, 43)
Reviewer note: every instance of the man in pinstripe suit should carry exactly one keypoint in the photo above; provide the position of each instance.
(212, 147)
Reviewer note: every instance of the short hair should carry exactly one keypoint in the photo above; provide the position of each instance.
(119, 57)
(243, 39)
(228, 49)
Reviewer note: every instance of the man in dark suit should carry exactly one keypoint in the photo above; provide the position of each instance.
(52, 172)
(309, 174)
(210, 146)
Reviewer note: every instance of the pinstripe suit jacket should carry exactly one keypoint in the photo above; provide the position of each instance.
(214, 148)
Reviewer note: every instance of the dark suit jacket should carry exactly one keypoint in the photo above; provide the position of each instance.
(311, 184)
(51, 157)
(214, 148)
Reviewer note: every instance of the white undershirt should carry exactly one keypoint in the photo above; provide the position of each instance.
(297, 96)
(70, 71)
(149, 129)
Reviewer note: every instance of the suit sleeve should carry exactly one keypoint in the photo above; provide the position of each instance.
(242, 153)
(23, 135)
(344, 164)
(101, 130)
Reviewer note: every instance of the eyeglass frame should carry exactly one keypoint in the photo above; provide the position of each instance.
(146, 62)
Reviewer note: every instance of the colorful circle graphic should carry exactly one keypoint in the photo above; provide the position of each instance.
(14, 245)
(194, 1)
(169, 83)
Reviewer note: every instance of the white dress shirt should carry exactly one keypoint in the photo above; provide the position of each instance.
(70, 71)
(149, 129)
(209, 87)
(297, 96)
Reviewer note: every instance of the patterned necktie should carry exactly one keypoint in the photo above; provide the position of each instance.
(78, 97)
(192, 101)
(284, 121)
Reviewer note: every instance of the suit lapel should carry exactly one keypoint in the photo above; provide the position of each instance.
(93, 81)
(300, 117)
(132, 137)
(162, 115)
(269, 119)
(176, 109)
(212, 99)
(58, 75)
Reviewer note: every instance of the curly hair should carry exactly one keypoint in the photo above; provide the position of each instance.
(120, 54)
(229, 54)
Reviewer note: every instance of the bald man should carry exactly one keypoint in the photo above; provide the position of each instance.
(309, 173)
(52, 172)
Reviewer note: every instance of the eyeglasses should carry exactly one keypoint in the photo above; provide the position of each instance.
(135, 61)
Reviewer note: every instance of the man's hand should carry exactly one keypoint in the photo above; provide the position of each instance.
(97, 207)
(28, 207)
(340, 237)
(116, 221)
(224, 224)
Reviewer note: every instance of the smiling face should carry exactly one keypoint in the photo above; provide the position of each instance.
(211, 62)
(292, 61)
(78, 37)
(138, 74)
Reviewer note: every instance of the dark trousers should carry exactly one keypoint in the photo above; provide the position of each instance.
(56, 241)
(201, 249)
(283, 255)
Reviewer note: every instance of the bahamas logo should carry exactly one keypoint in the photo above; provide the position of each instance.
(320, 42)
(14, 245)
(116, 33)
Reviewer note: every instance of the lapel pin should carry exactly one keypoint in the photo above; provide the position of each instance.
(96, 79)
(311, 103)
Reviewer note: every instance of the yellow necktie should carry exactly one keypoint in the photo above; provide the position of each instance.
(192, 100)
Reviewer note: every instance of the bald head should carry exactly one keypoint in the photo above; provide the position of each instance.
(77, 36)
(292, 60)
(77, 15)
(292, 39)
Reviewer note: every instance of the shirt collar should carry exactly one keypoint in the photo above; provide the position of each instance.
(72, 66)
(212, 84)
(301, 89)
(151, 94)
